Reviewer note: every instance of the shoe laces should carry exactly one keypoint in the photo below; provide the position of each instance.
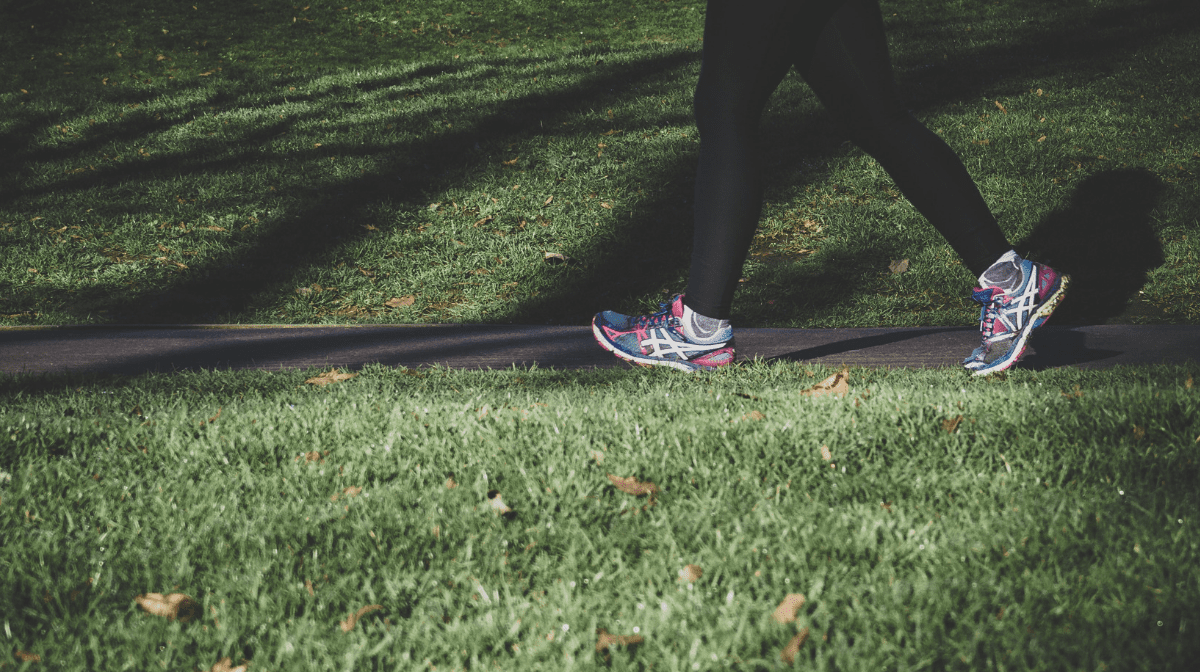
(663, 316)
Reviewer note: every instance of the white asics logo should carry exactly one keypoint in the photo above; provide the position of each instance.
(659, 343)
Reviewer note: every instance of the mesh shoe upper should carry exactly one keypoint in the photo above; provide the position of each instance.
(658, 339)
(1006, 320)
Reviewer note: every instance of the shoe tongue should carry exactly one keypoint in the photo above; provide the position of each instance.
(677, 306)
(985, 294)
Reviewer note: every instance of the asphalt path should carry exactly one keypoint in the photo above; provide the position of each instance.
(137, 349)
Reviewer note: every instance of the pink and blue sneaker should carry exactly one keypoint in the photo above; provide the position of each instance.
(659, 339)
(1006, 320)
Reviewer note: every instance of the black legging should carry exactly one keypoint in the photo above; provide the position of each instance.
(838, 46)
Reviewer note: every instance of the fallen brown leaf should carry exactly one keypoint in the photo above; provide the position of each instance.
(556, 258)
(26, 657)
(597, 456)
(632, 486)
(825, 454)
(485, 220)
(754, 415)
(786, 611)
(788, 655)
(401, 301)
(175, 606)
(837, 385)
(1001, 107)
(898, 266)
(353, 618)
(512, 161)
(310, 456)
(308, 584)
(951, 424)
(330, 376)
(548, 201)
(226, 665)
(607, 206)
(450, 484)
(351, 491)
(690, 573)
(604, 640)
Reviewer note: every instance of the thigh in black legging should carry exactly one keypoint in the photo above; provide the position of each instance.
(851, 73)
(748, 47)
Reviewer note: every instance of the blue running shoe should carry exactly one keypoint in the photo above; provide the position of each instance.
(1006, 320)
(658, 339)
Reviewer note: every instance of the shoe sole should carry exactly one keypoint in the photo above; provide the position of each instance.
(598, 334)
(1043, 313)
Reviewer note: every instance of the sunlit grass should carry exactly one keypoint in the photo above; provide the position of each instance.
(1043, 520)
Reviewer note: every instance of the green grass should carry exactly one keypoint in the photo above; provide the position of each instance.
(1054, 529)
(278, 162)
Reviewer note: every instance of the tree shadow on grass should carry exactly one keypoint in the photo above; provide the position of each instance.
(646, 249)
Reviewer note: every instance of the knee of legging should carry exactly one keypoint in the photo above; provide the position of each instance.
(719, 107)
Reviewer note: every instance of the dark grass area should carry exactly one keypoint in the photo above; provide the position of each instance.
(392, 161)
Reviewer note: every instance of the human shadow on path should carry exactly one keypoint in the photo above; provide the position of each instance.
(1105, 240)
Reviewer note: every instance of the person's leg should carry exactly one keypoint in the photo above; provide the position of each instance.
(851, 73)
(749, 45)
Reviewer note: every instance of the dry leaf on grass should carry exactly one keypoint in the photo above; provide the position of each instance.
(555, 258)
(605, 640)
(838, 385)
(401, 301)
(351, 491)
(898, 266)
(597, 456)
(175, 606)
(450, 484)
(330, 376)
(786, 611)
(353, 618)
(951, 424)
(788, 655)
(311, 456)
(497, 503)
(226, 665)
(26, 657)
(754, 415)
(825, 454)
(632, 486)
(690, 573)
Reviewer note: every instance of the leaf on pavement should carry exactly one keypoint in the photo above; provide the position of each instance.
(837, 385)
(330, 376)
(786, 611)
(401, 301)
(632, 486)
(788, 655)
(353, 618)
(173, 607)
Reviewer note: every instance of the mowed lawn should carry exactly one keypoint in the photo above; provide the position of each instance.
(434, 161)
(534, 519)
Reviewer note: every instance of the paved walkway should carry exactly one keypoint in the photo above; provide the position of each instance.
(138, 349)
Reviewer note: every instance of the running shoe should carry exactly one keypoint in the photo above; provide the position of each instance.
(1006, 320)
(658, 339)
